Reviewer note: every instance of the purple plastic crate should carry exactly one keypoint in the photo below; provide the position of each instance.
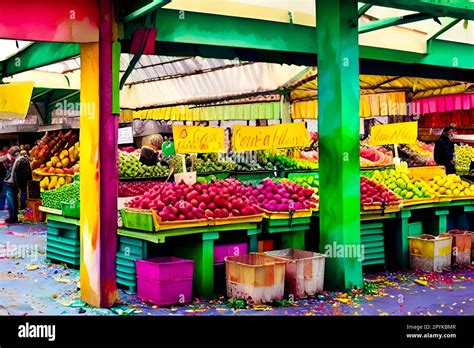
(221, 251)
(165, 280)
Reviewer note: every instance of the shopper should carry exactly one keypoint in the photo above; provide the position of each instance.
(11, 185)
(444, 150)
(149, 153)
(3, 173)
(24, 175)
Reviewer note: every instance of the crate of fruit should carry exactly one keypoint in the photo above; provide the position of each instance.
(137, 219)
(281, 215)
(236, 220)
(71, 209)
(160, 225)
(385, 208)
(412, 202)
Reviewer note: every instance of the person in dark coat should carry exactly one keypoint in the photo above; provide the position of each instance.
(10, 184)
(24, 175)
(444, 150)
(3, 174)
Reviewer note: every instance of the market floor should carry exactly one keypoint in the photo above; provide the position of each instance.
(30, 286)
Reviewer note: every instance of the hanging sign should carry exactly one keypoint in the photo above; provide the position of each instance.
(15, 100)
(246, 138)
(199, 139)
(394, 133)
(125, 135)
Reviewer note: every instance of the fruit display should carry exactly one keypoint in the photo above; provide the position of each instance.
(52, 182)
(451, 185)
(372, 192)
(55, 145)
(422, 148)
(131, 167)
(401, 184)
(210, 162)
(413, 158)
(307, 181)
(246, 161)
(67, 193)
(375, 157)
(179, 201)
(220, 199)
(464, 156)
(134, 188)
(284, 196)
(282, 162)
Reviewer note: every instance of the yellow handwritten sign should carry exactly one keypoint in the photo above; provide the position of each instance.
(15, 99)
(246, 138)
(394, 133)
(188, 139)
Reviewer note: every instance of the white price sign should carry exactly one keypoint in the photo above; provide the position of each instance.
(125, 135)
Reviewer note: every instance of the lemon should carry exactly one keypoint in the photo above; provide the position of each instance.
(457, 179)
(467, 192)
(462, 194)
(442, 190)
(449, 192)
(465, 184)
(456, 192)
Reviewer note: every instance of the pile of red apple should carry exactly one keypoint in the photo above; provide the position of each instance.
(222, 199)
(284, 196)
(179, 201)
(374, 193)
(135, 188)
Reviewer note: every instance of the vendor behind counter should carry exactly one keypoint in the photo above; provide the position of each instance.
(149, 153)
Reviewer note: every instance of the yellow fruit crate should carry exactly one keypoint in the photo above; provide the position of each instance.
(168, 225)
(286, 215)
(411, 202)
(429, 253)
(51, 210)
(391, 208)
(236, 220)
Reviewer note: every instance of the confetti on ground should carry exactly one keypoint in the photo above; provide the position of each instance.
(32, 267)
(31, 293)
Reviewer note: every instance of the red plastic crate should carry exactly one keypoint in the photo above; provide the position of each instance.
(221, 251)
(165, 280)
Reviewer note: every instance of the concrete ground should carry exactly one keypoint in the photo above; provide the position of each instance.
(31, 286)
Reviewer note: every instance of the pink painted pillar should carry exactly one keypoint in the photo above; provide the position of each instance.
(99, 172)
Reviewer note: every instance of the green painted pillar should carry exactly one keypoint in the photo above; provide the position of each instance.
(253, 239)
(441, 221)
(338, 126)
(293, 240)
(402, 258)
(202, 252)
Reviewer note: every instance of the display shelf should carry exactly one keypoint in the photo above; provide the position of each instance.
(201, 250)
(51, 210)
(63, 240)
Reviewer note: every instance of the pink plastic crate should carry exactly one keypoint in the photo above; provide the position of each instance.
(165, 280)
(221, 251)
